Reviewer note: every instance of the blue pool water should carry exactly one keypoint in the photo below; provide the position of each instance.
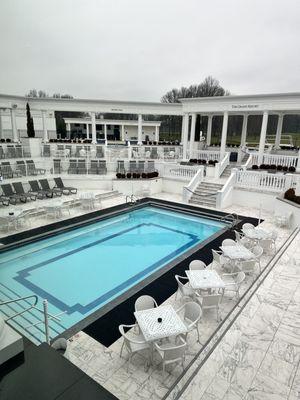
(81, 270)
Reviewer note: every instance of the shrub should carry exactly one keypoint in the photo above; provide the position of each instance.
(144, 175)
(255, 167)
(262, 166)
(134, 175)
(216, 162)
(128, 175)
(123, 176)
(118, 175)
(273, 166)
(138, 175)
(279, 167)
(290, 194)
(285, 168)
(211, 162)
(292, 169)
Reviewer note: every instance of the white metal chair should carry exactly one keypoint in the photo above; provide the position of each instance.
(240, 238)
(258, 251)
(234, 285)
(228, 242)
(171, 354)
(197, 265)
(191, 316)
(184, 289)
(145, 303)
(133, 342)
(267, 245)
(220, 259)
(211, 302)
(248, 267)
(247, 225)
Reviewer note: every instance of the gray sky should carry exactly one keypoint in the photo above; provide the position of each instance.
(139, 49)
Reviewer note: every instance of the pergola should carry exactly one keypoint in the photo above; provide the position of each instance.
(264, 104)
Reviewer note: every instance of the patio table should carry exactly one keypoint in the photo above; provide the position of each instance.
(171, 324)
(257, 234)
(205, 279)
(237, 252)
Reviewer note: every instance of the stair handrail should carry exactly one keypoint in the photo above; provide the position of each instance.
(225, 191)
(200, 195)
(193, 184)
(19, 299)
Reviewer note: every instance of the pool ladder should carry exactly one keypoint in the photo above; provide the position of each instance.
(232, 218)
(132, 199)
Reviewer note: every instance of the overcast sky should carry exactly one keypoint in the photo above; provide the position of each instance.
(139, 49)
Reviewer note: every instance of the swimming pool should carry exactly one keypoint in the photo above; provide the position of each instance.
(82, 270)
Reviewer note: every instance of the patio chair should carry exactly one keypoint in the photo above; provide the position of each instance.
(120, 166)
(35, 188)
(72, 167)
(133, 342)
(150, 166)
(21, 167)
(66, 189)
(191, 316)
(144, 303)
(7, 171)
(2, 154)
(154, 153)
(99, 152)
(247, 225)
(258, 251)
(185, 290)
(46, 187)
(19, 189)
(228, 242)
(102, 167)
(197, 265)
(211, 302)
(32, 170)
(235, 283)
(11, 151)
(248, 267)
(170, 353)
(19, 151)
(132, 166)
(13, 197)
(267, 245)
(81, 167)
(46, 150)
(141, 166)
(94, 167)
(56, 166)
(219, 259)
(240, 238)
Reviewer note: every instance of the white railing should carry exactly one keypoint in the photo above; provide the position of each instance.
(204, 155)
(264, 181)
(176, 171)
(165, 153)
(221, 165)
(248, 163)
(73, 150)
(275, 159)
(189, 189)
(224, 196)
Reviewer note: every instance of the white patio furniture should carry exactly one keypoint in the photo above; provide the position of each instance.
(257, 234)
(184, 289)
(267, 245)
(228, 242)
(234, 283)
(144, 303)
(283, 220)
(205, 279)
(247, 225)
(159, 323)
(219, 259)
(132, 341)
(211, 302)
(191, 316)
(170, 353)
(87, 200)
(241, 239)
(237, 252)
(248, 267)
(197, 265)
(54, 209)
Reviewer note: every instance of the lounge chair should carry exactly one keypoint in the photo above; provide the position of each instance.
(102, 167)
(11, 151)
(13, 197)
(4, 200)
(56, 166)
(81, 167)
(132, 166)
(66, 189)
(121, 166)
(19, 189)
(2, 154)
(72, 167)
(7, 171)
(46, 187)
(34, 187)
(21, 166)
(94, 167)
(32, 170)
(19, 151)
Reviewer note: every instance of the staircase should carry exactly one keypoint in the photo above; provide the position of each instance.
(245, 158)
(205, 194)
(31, 322)
(227, 171)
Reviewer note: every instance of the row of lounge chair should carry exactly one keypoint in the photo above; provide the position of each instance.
(15, 192)
(13, 151)
(136, 166)
(74, 151)
(21, 168)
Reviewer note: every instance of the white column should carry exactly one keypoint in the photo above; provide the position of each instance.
(87, 131)
(140, 127)
(45, 131)
(244, 130)
(94, 136)
(278, 131)
(157, 133)
(185, 135)
(105, 132)
(192, 135)
(1, 128)
(14, 125)
(209, 128)
(262, 139)
(224, 135)
(68, 127)
(122, 133)
(298, 167)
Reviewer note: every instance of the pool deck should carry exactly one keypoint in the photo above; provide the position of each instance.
(258, 358)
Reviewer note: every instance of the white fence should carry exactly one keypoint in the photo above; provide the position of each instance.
(166, 153)
(264, 181)
(176, 171)
(204, 155)
(221, 165)
(275, 159)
